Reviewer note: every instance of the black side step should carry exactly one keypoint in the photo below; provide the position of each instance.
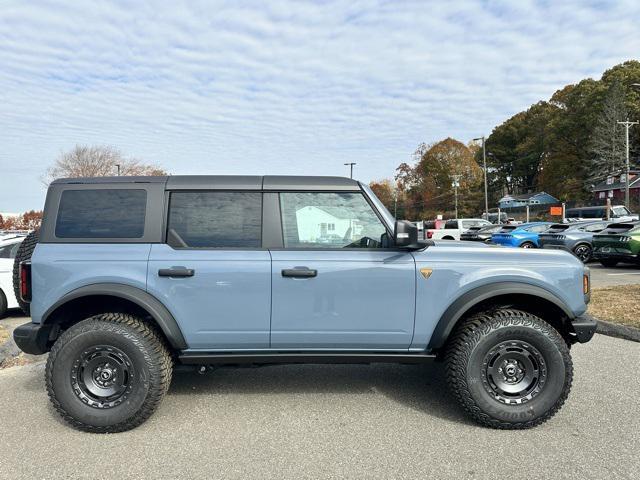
(209, 358)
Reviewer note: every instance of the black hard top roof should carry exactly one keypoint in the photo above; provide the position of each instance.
(228, 182)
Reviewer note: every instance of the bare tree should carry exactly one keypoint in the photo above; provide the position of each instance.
(97, 161)
(608, 141)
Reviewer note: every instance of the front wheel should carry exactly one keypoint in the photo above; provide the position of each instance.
(108, 373)
(508, 369)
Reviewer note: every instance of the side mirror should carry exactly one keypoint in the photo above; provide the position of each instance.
(406, 234)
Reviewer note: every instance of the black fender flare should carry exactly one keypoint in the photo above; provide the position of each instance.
(479, 294)
(144, 300)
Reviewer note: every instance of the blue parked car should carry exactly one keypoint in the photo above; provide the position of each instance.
(523, 236)
(131, 276)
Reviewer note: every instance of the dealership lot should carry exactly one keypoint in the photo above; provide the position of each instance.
(348, 421)
(623, 274)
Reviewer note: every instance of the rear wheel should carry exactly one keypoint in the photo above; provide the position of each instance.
(108, 373)
(508, 369)
(607, 262)
(583, 252)
(25, 250)
(3, 304)
(528, 245)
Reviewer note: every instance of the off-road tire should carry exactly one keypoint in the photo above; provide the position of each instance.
(482, 333)
(150, 377)
(25, 250)
(608, 263)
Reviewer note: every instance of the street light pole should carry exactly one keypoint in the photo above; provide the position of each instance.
(486, 188)
(455, 184)
(627, 125)
(351, 164)
(118, 167)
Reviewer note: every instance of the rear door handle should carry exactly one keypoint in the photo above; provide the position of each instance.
(176, 272)
(299, 272)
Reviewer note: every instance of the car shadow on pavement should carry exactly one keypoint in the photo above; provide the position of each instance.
(419, 387)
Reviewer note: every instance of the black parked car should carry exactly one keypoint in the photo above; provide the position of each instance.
(480, 234)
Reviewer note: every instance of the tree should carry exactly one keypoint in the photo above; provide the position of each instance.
(97, 161)
(428, 186)
(390, 195)
(30, 220)
(608, 139)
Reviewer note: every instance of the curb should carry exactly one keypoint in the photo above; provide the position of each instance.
(615, 330)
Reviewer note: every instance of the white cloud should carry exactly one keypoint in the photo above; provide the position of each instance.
(282, 87)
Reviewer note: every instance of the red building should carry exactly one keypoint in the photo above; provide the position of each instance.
(614, 188)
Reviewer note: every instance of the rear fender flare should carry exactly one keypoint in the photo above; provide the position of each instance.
(163, 318)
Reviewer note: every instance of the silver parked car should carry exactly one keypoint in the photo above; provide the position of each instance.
(573, 237)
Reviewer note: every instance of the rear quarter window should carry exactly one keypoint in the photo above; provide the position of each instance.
(101, 213)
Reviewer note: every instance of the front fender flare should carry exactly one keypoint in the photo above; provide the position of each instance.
(144, 300)
(473, 297)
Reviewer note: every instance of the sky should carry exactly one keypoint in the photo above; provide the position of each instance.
(279, 87)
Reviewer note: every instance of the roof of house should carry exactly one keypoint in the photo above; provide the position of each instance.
(604, 186)
(525, 196)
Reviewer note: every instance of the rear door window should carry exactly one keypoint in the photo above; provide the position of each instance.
(103, 213)
(215, 220)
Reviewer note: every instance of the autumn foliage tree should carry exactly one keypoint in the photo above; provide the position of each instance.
(30, 220)
(97, 161)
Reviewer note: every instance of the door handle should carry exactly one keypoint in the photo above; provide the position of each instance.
(299, 272)
(176, 272)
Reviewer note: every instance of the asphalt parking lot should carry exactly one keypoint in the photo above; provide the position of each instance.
(333, 421)
(623, 274)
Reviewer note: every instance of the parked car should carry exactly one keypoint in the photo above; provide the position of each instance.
(480, 234)
(572, 237)
(619, 213)
(132, 275)
(453, 228)
(524, 235)
(9, 245)
(619, 242)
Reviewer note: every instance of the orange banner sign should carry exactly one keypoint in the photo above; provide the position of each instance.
(555, 211)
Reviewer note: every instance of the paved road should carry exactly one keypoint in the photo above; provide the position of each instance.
(383, 421)
(620, 275)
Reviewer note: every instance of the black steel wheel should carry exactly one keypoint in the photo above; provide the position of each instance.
(108, 373)
(102, 376)
(583, 252)
(508, 369)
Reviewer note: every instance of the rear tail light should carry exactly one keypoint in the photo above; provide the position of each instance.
(625, 239)
(25, 281)
(429, 234)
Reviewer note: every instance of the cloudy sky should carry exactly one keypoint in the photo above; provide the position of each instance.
(269, 87)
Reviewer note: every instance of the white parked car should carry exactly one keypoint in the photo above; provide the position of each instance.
(9, 245)
(453, 228)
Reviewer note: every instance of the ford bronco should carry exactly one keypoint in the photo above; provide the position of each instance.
(132, 276)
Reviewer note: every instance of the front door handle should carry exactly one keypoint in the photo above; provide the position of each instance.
(176, 272)
(299, 272)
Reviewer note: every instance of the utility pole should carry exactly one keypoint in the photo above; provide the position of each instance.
(351, 164)
(627, 125)
(484, 166)
(455, 184)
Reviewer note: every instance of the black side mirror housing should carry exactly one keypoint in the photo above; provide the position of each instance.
(405, 235)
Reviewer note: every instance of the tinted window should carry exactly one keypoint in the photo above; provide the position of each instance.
(538, 228)
(596, 227)
(8, 251)
(215, 219)
(117, 213)
(330, 220)
(451, 224)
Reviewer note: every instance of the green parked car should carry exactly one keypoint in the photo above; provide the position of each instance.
(619, 242)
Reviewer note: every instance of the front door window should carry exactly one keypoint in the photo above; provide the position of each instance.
(330, 220)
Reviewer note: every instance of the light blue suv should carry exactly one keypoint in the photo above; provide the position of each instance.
(131, 276)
